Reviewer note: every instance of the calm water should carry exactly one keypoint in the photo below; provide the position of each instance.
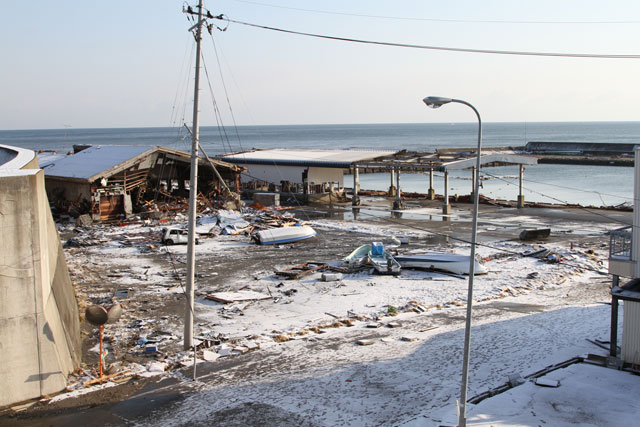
(588, 185)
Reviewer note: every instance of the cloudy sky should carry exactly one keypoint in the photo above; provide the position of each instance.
(130, 64)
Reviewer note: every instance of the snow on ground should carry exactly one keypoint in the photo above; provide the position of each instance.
(328, 380)
(402, 383)
(587, 396)
(310, 302)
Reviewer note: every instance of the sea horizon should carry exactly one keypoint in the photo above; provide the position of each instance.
(586, 185)
(484, 123)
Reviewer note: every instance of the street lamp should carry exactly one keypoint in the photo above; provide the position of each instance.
(437, 102)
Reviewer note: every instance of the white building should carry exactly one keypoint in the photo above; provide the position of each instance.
(624, 252)
(307, 168)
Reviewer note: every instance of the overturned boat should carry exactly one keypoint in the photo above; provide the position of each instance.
(382, 261)
(358, 257)
(452, 263)
(275, 236)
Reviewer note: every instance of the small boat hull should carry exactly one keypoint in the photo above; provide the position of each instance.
(382, 261)
(457, 264)
(358, 257)
(275, 236)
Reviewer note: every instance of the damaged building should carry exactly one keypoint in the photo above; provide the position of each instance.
(113, 181)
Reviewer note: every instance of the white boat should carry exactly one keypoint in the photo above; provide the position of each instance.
(382, 261)
(358, 257)
(458, 264)
(274, 236)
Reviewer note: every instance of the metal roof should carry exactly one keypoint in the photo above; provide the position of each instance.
(497, 159)
(91, 162)
(100, 161)
(445, 160)
(321, 158)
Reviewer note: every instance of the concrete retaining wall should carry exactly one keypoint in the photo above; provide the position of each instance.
(39, 322)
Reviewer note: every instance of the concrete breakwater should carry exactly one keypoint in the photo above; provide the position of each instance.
(581, 153)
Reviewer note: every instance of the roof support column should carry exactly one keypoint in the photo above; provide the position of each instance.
(613, 339)
(473, 182)
(431, 195)
(355, 200)
(398, 203)
(446, 207)
(520, 203)
(392, 188)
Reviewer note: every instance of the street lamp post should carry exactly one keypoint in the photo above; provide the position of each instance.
(436, 102)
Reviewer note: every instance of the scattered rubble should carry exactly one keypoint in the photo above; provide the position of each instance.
(147, 285)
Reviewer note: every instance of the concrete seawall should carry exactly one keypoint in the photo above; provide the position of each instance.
(581, 153)
(39, 320)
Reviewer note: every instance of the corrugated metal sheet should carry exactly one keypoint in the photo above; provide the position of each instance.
(631, 332)
(323, 158)
(87, 163)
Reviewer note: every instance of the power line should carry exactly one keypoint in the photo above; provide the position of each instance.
(562, 186)
(221, 129)
(224, 85)
(463, 21)
(564, 202)
(438, 48)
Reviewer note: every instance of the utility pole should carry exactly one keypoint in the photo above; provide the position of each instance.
(193, 192)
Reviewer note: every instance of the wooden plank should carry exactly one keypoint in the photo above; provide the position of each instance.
(105, 378)
(301, 270)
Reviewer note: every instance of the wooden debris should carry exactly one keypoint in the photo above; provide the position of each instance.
(281, 338)
(298, 271)
(364, 342)
(105, 378)
(19, 408)
(252, 345)
(409, 338)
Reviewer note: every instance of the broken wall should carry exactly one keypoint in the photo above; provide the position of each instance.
(67, 191)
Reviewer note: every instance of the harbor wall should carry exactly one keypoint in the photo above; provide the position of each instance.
(39, 320)
(579, 148)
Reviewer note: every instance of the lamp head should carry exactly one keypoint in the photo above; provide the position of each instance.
(436, 101)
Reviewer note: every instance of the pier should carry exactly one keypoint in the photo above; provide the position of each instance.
(317, 172)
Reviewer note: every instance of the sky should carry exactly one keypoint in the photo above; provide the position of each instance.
(130, 64)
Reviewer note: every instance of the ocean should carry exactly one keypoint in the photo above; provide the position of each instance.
(585, 185)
